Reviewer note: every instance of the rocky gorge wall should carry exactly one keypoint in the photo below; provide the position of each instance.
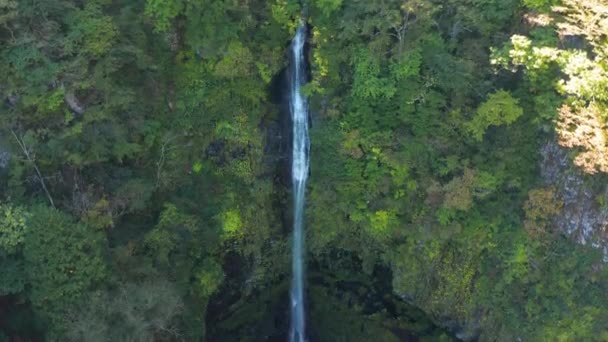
(584, 216)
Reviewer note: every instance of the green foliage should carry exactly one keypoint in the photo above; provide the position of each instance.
(232, 224)
(164, 238)
(499, 109)
(382, 222)
(367, 83)
(13, 228)
(493, 14)
(459, 191)
(133, 312)
(92, 32)
(54, 101)
(197, 167)
(396, 157)
(163, 12)
(236, 62)
(327, 7)
(286, 13)
(518, 264)
(63, 260)
(557, 66)
(154, 125)
(408, 65)
(540, 4)
(120, 108)
(209, 278)
(8, 11)
(13, 279)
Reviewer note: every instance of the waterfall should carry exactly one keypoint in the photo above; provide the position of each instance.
(299, 175)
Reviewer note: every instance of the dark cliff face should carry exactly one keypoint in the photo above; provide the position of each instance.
(584, 216)
(237, 311)
(5, 158)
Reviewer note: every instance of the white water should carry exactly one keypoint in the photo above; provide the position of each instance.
(299, 175)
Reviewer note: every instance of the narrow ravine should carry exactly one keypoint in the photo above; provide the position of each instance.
(299, 176)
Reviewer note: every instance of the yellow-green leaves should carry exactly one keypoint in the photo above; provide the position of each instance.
(93, 32)
(382, 222)
(521, 52)
(53, 102)
(164, 238)
(209, 277)
(587, 78)
(407, 65)
(518, 263)
(539, 4)
(368, 84)
(499, 109)
(580, 77)
(568, 69)
(237, 62)
(197, 167)
(12, 228)
(264, 71)
(232, 225)
(327, 7)
(286, 13)
(163, 12)
(99, 216)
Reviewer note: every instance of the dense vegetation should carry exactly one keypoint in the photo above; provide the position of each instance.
(142, 154)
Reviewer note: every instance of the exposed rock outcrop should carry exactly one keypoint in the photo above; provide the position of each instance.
(584, 216)
(5, 158)
(73, 103)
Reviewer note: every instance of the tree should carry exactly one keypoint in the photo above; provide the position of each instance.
(163, 12)
(368, 84)
(499, 109)
(573, 69)
(541, 206)
(459, 191)
(133, 312)
(583, 128)
(92, 33)
(8, 12)
(63, 260)
(13, 229)
(540, 4)
(168, 235)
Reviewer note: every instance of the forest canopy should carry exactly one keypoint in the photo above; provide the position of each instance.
(457, 149)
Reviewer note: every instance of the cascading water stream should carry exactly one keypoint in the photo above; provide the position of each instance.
(299, 176)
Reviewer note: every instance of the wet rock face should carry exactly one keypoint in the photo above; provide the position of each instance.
(584, 216)
(5, 157)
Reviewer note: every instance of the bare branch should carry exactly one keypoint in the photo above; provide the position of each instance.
(30, 159)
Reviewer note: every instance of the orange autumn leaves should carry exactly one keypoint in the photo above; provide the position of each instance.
(584, 128)
(541, 206)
